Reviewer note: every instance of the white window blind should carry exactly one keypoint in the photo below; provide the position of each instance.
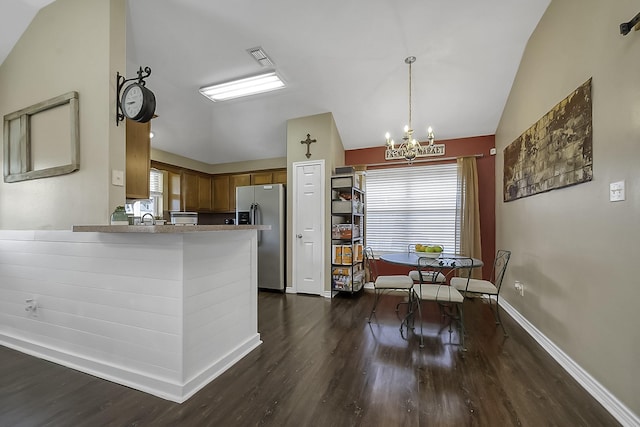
(155, 191)
(411, 205)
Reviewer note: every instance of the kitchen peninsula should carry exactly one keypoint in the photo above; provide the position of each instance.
(162, 309)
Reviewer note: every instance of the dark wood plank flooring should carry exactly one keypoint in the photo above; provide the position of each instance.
(322, 364)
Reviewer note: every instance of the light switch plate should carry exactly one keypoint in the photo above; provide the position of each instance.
(616, 191)
(117, 177)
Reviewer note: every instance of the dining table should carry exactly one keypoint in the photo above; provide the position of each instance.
(411, 259)
(433, 261)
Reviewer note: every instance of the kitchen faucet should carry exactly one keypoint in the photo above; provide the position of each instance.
(153, 220)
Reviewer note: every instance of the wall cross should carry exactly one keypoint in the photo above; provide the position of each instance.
(308, 141)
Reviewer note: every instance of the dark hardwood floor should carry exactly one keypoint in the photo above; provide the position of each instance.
(322, 364)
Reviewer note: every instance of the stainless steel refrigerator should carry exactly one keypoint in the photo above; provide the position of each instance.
(265, 204)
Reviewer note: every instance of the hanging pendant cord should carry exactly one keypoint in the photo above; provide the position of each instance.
(410, 95)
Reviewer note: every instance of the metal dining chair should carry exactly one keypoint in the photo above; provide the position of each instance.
(387, 283)
(424, 276)
(489, 287)
(447, 297)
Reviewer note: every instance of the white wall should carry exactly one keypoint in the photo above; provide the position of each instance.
(573, 249)
(328, 146)
(71, 45)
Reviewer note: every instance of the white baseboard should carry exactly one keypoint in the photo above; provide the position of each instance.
(161, 387)
(612, 404)
(218, 367)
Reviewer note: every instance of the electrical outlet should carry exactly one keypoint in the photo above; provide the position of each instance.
(519, 287)
(31, 307)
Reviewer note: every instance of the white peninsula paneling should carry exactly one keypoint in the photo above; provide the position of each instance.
(163, 313)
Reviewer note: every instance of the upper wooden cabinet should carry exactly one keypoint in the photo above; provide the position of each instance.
(221, 193)
(280, 177)
(260, 178)
(138, 155)
(189, 188)
(204, 193)
(196, 191)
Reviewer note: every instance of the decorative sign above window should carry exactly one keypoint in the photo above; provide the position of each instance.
(431, 150)
(42, 140)
(555, 152)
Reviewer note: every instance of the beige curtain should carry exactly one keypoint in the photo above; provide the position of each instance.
(468, 211)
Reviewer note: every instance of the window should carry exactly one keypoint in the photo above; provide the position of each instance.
(412, 205)
(155, 191)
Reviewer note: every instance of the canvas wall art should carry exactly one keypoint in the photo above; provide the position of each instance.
(555, 152)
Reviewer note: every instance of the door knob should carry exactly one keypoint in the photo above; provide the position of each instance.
(299, 236)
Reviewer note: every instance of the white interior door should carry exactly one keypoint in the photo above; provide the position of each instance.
(308, 227)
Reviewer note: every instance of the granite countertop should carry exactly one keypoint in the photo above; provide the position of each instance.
(164, 228)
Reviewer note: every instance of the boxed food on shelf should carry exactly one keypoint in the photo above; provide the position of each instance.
(335, 231)
(347, 255)
(358, 252)
(341, 271)
(336, 254)
(347, 278)
(341, 277)
(345, 231)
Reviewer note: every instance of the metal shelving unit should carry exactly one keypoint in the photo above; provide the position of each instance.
(347, 233)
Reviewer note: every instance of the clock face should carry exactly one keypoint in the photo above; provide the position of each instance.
(138, 103)
(132, 101)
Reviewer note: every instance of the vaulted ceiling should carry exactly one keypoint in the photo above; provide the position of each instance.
(340, 56)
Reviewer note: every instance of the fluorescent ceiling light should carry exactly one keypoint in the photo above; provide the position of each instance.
(243, 87)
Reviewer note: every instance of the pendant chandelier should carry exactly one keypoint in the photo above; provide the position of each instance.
(409, 148)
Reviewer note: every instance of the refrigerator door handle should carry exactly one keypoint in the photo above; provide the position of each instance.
(257, 216)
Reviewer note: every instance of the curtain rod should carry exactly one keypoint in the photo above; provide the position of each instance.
(439, 159)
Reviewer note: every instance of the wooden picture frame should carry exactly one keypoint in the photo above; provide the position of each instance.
(18, 144)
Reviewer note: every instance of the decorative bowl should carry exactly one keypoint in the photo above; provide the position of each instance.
(428, 254)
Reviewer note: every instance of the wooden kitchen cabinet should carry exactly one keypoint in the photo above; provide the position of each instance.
(280, 177)
(189, 187)
(138, 159)
(261, 178)
(204, 193)
(191, 190)
(196, 192)
(235, 181)
(221, 201)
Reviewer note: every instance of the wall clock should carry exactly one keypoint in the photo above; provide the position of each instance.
(135, 102)
(138, 103)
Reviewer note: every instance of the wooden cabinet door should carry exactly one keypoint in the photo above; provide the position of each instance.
(240, 180)
(138, 159)
(174, 192)
(189, 191)
(280, 177)
(221, 194)
(261, 178)
(204, 193)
